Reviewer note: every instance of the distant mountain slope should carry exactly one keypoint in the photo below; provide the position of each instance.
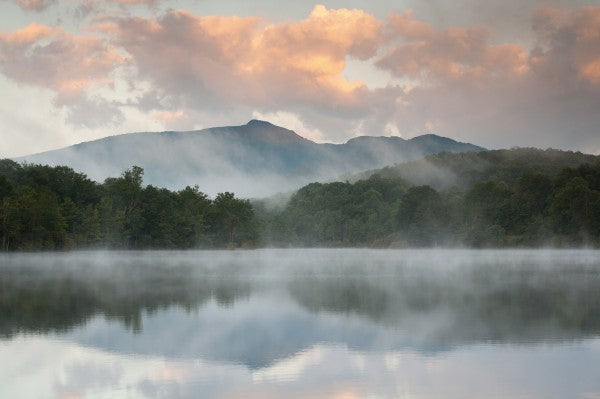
(255, 159)
(444, 170)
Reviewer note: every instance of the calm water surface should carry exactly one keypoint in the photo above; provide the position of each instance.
(301, 324)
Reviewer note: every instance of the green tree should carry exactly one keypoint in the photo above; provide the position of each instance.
(233, 220)
(422, 216)
(6, 211)
(575, 209)
(40, 223)
(487, 205)
(125, 195)
(158, 214)
(194, 209)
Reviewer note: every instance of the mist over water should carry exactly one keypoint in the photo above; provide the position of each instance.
(301, 323)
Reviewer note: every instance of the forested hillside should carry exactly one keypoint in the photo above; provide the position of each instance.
(44, 207)
(519, 197)
(445, 169)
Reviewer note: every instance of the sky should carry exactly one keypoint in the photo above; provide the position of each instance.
(499, 74)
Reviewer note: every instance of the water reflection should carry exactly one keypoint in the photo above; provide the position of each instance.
(471, 305)
(312, 323)
(54, 295)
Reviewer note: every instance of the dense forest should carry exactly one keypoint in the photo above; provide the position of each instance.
(505, 198)
(445, 170)
(44, 207)
(502, 198)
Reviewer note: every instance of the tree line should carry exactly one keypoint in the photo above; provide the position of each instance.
(534, 209)
(45, 208)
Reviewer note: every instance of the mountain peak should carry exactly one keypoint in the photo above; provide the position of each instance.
(432, 135)
(258, 123)
(264, 130)
(433, 143)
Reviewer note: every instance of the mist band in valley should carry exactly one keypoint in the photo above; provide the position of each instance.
(502, 198)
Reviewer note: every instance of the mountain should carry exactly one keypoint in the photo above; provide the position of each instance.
(255, 159)
(444, 170)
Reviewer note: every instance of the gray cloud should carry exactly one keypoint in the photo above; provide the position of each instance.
(34, 5)
(499, 94)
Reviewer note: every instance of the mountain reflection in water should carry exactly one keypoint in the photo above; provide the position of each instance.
(261, 309)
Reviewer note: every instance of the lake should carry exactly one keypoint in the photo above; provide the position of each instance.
(306, 323)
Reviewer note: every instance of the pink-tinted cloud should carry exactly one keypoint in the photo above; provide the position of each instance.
(456, 53)
(53, 58)
(135, 1)
(470, 88)
(245, 61)
(34, 5)
(67, 64)
(568, 45)
(40, 5)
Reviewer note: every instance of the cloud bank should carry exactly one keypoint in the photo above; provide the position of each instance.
(183, 71)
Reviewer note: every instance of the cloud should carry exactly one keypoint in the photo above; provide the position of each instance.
(177, 119)
(41, 5)
(455, 53)
(148, 2)
(34, 5)
(51, 57)
(69, 65)
(568, 45)
(91, 111)
(194, 60)
(498, 94)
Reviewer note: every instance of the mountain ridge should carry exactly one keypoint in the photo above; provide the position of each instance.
(255, 159)
(445, 170)
(253, 122)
